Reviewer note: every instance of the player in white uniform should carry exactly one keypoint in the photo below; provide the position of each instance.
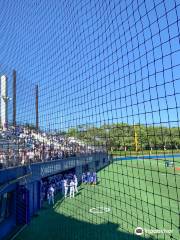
(75, 184)
(65, 186)
(94, 178)
(88, 177)
(72, 187)
(84, 178)
(91, 179)
(50, 195)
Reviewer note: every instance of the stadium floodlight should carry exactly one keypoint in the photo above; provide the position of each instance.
(4, 102)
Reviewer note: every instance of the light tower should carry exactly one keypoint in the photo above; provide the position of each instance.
(4, 102)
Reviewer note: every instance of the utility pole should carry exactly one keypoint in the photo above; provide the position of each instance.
(14, 98)
(37, 108)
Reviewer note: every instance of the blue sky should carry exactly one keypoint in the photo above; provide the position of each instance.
(95, 61)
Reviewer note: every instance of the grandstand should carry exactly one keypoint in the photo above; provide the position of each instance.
(90, 120)
(31, 146)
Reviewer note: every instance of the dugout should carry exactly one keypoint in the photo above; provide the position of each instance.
(63, 173)
(7, 211)
(12, 210)
(20, 187)
(19, 198)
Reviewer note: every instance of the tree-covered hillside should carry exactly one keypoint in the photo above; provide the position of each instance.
(123, 136)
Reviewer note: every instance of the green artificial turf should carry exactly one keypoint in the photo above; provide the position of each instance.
(138, 193)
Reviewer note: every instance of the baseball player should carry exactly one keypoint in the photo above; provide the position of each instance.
(75, 184)
(50, 195)
(72, 188)
(65, 186)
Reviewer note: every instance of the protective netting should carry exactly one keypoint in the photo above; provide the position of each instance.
(108, 80)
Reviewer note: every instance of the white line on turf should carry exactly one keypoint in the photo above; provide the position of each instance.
(99, 210)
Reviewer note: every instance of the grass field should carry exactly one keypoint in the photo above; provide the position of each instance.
(144, 152)
(137, 193)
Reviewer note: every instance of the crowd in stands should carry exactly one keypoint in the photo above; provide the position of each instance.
(24, 146)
